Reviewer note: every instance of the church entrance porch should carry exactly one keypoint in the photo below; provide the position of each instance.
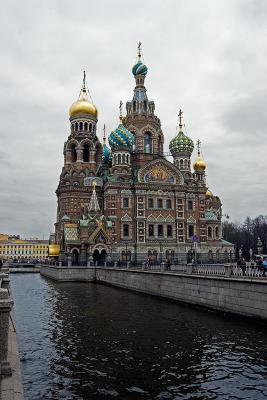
(99, 256)
(75, 257)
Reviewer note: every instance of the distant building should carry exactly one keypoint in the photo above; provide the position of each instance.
(14, 248)
(129, 202)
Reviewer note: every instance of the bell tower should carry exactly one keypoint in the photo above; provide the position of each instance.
(141, 119)
(82, 160)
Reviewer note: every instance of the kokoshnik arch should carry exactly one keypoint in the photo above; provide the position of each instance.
(128, 202)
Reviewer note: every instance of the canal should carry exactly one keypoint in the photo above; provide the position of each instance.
(90, 341)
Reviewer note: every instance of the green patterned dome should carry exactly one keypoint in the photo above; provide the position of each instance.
(181, 144)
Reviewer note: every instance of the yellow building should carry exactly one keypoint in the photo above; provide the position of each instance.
(23, 249)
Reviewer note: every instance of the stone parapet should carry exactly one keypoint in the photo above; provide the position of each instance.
(69, 274)
(242, 296)
(10, 375)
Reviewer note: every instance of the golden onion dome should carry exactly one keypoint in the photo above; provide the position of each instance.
(199, 165)
(83, 105)
(53, 250)
(208, 194)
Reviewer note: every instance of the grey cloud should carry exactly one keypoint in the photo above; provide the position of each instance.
(206, 57)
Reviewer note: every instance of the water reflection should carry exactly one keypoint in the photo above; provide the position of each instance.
(87, 341)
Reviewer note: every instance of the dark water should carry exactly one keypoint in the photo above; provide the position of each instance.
(87, 341)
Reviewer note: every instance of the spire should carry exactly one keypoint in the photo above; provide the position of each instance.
(93, 205)
(180, 116)
(139, 51)
(198, 148)
(104, 134)
(120, 107)
(84, 92)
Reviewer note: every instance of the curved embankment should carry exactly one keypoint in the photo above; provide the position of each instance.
(242, 296)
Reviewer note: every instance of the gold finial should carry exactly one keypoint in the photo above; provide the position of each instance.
(104, 133)
(180, 116)
(94, 185)
(120, 107)
(139, 51)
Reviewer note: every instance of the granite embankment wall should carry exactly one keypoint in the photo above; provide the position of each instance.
(69, 274)
(247, 297)
(244, 295)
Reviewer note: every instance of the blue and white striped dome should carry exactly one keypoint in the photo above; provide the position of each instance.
(121, 137)
(106, 157)
(139, 69)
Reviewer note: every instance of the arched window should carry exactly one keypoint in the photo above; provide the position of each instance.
(148, 142)
(134, 106)
(73, 153)
(80, 126)
(209, 232)
(76, 126)
(90, 127)
(119, 158)
(127, 158)
(181, 163)
(86, 126)
(217, 232)
(86, 152)
(159, 145)
(123, 159)
(145, 105)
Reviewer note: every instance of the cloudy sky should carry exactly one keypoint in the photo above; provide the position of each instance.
(206, 56)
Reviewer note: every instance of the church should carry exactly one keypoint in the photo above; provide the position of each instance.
(120, 198)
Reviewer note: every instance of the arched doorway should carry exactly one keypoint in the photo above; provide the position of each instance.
(99, 256)
(96, 256)
(75, 257)
(103, 256)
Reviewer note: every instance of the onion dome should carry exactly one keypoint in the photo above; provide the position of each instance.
(181, 143)
(208, 194)
(139, 68)
(53, 250)
(83, 105)
(106, 155)
(121, 137)
(199, 165)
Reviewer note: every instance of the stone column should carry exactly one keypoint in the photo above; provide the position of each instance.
(92, 160)
(69, 261)
(228, 270)
(163, 266)
(83, 255)
(79, 155)
(68, 157)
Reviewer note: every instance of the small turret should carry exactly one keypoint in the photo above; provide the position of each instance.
(181, 147)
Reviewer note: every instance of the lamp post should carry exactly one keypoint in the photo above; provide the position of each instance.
(126, 247)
